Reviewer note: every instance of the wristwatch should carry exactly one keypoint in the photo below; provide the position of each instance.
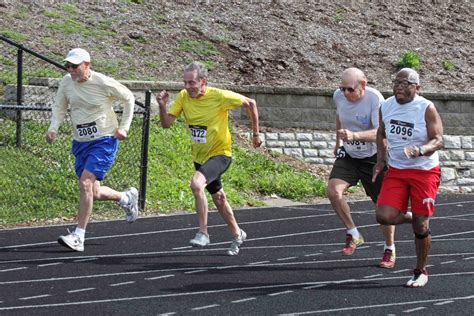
(421, 151)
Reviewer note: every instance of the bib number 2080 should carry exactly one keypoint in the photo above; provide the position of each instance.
(87, 130)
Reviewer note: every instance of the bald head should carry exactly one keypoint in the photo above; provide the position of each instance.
(353, 75)
(353, 82)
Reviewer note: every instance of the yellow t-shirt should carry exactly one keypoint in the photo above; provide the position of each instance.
(207, 119)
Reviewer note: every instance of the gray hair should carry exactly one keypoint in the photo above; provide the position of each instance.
(199, 68)
(412, 77)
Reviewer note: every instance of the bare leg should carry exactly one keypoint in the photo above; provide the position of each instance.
(421, 227)
(389, 234)
(335, 191)
(198, 184)
(103, 193)
(86, 187)
(387, 215)
(225, 210)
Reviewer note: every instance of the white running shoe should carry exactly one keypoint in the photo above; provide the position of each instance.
(236, 243)
(131, 209)
(72, 241)
(419, 279)
(200, 240)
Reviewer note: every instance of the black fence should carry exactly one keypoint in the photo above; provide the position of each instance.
(39, 181)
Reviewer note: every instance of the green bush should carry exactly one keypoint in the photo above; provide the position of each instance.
(447, 65)
(410, 59)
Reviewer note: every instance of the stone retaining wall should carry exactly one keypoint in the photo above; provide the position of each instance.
(456, 158)
(312, 112)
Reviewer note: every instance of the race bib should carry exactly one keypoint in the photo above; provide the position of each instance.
(87, 131)
(400, 130)
(355, 145)
(198, 133)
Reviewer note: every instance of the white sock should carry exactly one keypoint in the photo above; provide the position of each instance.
(353, 232)
(80, 232)
(124, 199)
(392, 247)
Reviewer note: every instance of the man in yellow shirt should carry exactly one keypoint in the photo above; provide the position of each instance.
(96, 132)
(206, 113)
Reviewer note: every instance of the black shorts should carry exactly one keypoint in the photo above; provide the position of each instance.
(212, 169)
(352, 170)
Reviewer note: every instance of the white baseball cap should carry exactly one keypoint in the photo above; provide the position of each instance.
(77, 56)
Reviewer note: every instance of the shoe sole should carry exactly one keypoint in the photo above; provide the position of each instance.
(197, 245)
(134, 202)
(387, 267)
(65, 244)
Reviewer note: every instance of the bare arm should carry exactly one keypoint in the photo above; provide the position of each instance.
(165, 118)
(251, 107)
(381, 148)
(434, 128)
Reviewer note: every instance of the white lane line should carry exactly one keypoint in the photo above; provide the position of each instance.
(258, 262)
(352, 308)
(204, 307)
(14, 269)
(33, 297)
(400, 271)
(122, 283)
(469, 258)
(207, 250)
(443, 303)
(280, 293)
(344, 281)
(363, 247)
(180, 248)
(314, 286)
(229, 290)
(244, 300)
(334, 251)
(447, 262)
(81, 290)
(160, 277)
(373, 276)
(196, 271)
(414, 309)
(313, 254)
(167, 314)
(287, 258)
(86, 259)
(49, 264)
(225, 225)
(180, 230)
(249, 266)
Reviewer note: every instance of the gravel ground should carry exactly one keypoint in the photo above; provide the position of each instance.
(273, 42)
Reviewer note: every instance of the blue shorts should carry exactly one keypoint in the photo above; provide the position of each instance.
(96, 156)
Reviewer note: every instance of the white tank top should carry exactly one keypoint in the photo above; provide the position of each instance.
(405, 126)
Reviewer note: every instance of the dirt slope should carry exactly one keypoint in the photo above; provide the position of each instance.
(279, 42)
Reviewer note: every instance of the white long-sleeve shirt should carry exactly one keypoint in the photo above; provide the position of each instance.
(91, 105)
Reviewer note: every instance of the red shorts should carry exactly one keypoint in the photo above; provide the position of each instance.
(420, 186)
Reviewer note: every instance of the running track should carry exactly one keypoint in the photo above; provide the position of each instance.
(290, 264)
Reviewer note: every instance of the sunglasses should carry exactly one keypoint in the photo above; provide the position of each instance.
(343, 89)
(73, 66)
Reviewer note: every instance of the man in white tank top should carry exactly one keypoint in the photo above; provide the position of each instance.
(357, 108)
(408, 138)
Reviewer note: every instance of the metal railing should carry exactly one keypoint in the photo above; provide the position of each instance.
(25, 112)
